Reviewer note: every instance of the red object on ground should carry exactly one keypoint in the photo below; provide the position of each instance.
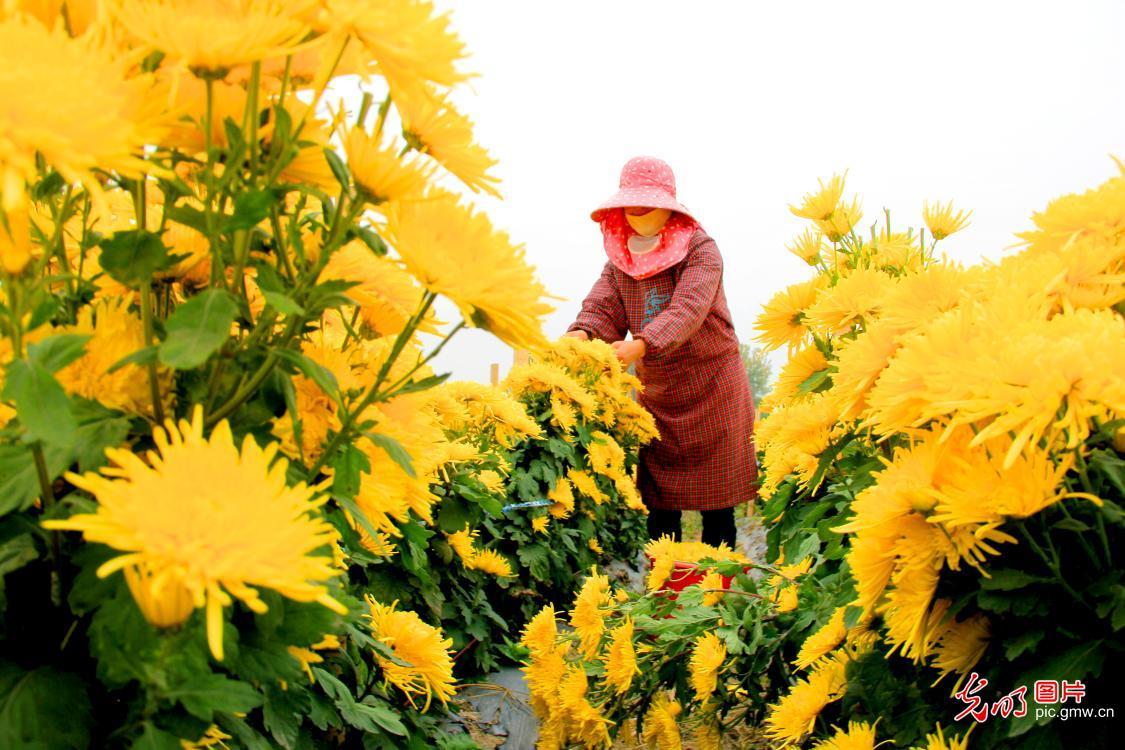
(688, 574)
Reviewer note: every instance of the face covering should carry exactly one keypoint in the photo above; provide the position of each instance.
(649, 224)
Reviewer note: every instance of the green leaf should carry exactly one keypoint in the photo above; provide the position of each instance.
(250, 208)
(372, 240)
(153, 738)
(19, 482)
(98, 428)
(813, 382)
(1073, 664)
(141, 358)
(452, 515)
(381, 714)
(347, 465)
(1008, 580)
(536, 558)
(205, 695)
(1025, 641)
(283, 303)
(1109, 464)
(339, 169)
(312, 370)
(394, 449)
(133, 256)
(198, 328)
(1070, 524)
(41, 403)
(56, 352)
(43, 709)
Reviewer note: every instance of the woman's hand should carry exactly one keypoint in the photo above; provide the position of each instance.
(578, 334)
(629, 351)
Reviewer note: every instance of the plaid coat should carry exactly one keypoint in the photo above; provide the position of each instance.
(695, 382)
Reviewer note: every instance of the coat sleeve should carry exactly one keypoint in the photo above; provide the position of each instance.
(603, 313)
(691, 301)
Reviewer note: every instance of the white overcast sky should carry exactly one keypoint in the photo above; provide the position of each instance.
(999, 106)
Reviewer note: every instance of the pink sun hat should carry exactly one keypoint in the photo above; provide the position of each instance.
(645, 181)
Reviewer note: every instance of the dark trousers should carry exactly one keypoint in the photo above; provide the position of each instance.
(718, 525)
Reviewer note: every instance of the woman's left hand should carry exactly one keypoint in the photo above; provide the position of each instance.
(629, 351)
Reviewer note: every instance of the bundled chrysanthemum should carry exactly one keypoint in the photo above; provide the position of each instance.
(423, 661)
(184, 540)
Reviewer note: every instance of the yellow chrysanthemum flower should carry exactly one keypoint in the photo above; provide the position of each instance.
(942, 221)
(454, 251)
(802, 365)
(826, 639)
(590, 610)
(594, 546)
(386, 294)
(855, 298)
(960, 647)
(807, 246)
(782, 320)
(584, 722)
(410, 42)
(539, 524)
(785, 583)
(662, 730)
(428, 662)
(541, 632)
(842, 221)
(115, 333)
(213, 737)
(606, 456)
(380, 172)
(562, 497)
(213, 539)
(105, 128)
(491, 562)
(858, 736)
(433, 126)
(462, 543)
(1095, 213)
(859, 363)
(621, 658)
(216, 35)
(541, 377)
(792, 717)
(586, 485)
(821, 204)
(491, 480)
(306, 657)
(938, 741)
(707, 655)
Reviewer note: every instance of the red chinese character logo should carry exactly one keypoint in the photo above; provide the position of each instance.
(1007, 705)
(1046, 691)
(975, 706)
(1075, 690)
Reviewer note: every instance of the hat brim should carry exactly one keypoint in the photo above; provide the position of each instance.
(643, 197)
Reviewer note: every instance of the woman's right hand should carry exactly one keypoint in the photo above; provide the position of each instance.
(578, 334)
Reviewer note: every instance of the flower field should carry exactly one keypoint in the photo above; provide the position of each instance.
(239, 507)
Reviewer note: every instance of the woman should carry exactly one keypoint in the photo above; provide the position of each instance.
(664, 284)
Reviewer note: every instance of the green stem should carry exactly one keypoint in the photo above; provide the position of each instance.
(209, 184)
(249, 387)
(369, 398)
(146, 323)
(1051, 562)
